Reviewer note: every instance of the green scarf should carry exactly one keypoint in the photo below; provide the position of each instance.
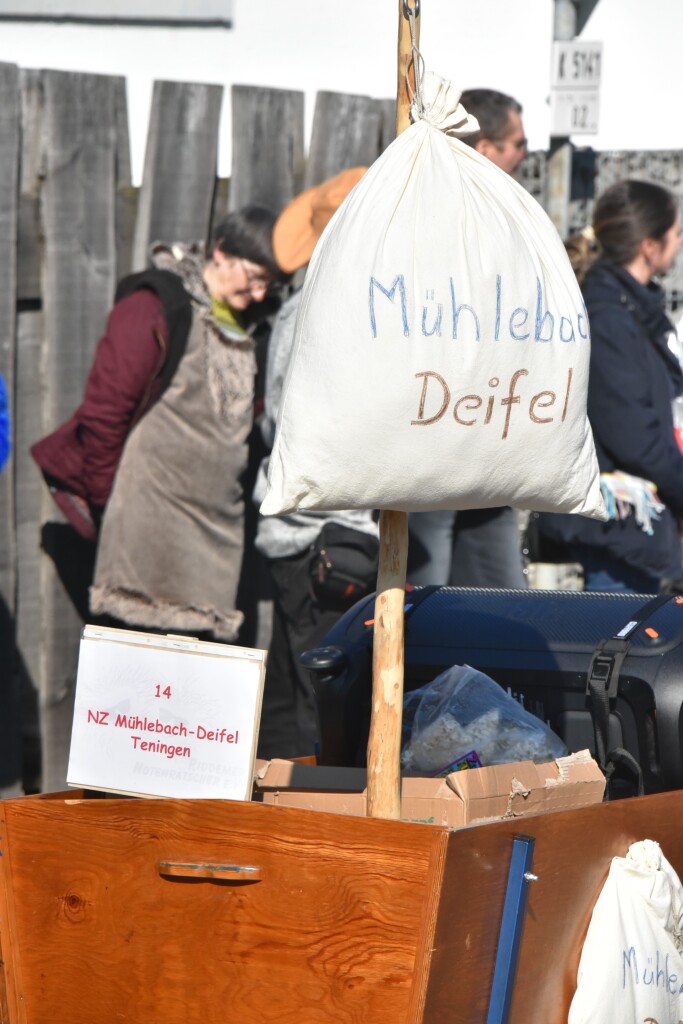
(226, 317)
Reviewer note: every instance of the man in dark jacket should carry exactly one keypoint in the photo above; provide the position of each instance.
(475, 547)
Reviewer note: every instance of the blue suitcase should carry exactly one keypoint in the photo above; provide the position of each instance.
(542, 646)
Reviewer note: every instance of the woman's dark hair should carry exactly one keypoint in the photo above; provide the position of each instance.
(624, 215)
(248, 235)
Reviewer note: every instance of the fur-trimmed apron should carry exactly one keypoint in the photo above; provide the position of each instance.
(171, 543)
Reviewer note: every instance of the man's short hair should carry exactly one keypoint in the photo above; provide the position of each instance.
(492, 110)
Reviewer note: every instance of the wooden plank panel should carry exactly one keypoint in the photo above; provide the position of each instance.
(28, 251)
(29, 256)
(79, 157)
(9, 216)
(180, 166)
(572, 855)
(347, 132)
(338, 929)
(388, 112)
(126, 195)
(332, 933)
(31, 135)
(220, 200)
(267, 146)
(11, 1006)
(126, 215)
(30, 494)
(31, 502)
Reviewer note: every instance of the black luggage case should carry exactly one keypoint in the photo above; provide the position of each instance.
(537, 644)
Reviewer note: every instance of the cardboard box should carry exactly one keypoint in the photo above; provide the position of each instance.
(462, 798)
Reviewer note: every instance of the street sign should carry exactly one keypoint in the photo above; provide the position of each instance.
(575, 88)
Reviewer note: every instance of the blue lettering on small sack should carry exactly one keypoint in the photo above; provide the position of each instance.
(466, 323)
(399, 282)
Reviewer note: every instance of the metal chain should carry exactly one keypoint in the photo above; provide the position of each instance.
(411, 14)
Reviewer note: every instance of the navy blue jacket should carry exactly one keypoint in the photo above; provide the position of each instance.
(634, 378)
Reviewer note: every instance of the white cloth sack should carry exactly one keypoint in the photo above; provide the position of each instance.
(631, 969)
(442, 345)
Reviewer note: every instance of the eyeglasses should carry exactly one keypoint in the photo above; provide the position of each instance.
(257, 280)
(519, 144)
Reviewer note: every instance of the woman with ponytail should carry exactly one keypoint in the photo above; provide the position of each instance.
(635, 376)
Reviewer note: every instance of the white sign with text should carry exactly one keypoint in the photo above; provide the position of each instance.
(575, 88)
(165, 716)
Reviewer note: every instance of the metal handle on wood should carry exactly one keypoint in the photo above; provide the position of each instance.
(218, 872)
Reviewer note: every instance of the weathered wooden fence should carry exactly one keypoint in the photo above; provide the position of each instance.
(593, 172)
(71, 225)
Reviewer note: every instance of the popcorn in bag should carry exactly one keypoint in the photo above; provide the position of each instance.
(442, 344)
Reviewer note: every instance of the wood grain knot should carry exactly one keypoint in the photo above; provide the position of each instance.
(74, 907)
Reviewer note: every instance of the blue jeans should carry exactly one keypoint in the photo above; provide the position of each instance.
(472, 548)
(604, 572)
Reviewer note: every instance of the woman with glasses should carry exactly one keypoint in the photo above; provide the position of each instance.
(149, 465)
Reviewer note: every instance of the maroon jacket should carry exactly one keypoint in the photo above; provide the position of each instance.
(79, 460)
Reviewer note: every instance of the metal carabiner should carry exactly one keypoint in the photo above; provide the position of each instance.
(408, 10)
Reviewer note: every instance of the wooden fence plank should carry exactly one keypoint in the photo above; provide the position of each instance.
(78, 208)
(388, 114)
(30, 494)
(180, 166)
(9, 217)
(347, 132)
(220, 200)
(126, 195)
(28, 249)
(267, 146)
(31, 498)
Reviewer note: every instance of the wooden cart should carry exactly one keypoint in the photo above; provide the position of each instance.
(151, 911)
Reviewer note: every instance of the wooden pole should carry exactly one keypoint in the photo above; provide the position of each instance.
(384, 745)
(404, 64)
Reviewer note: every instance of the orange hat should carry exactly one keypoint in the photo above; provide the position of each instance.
(301, 224)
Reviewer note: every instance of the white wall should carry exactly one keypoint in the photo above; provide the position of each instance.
(641, 100)
(321, 44)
